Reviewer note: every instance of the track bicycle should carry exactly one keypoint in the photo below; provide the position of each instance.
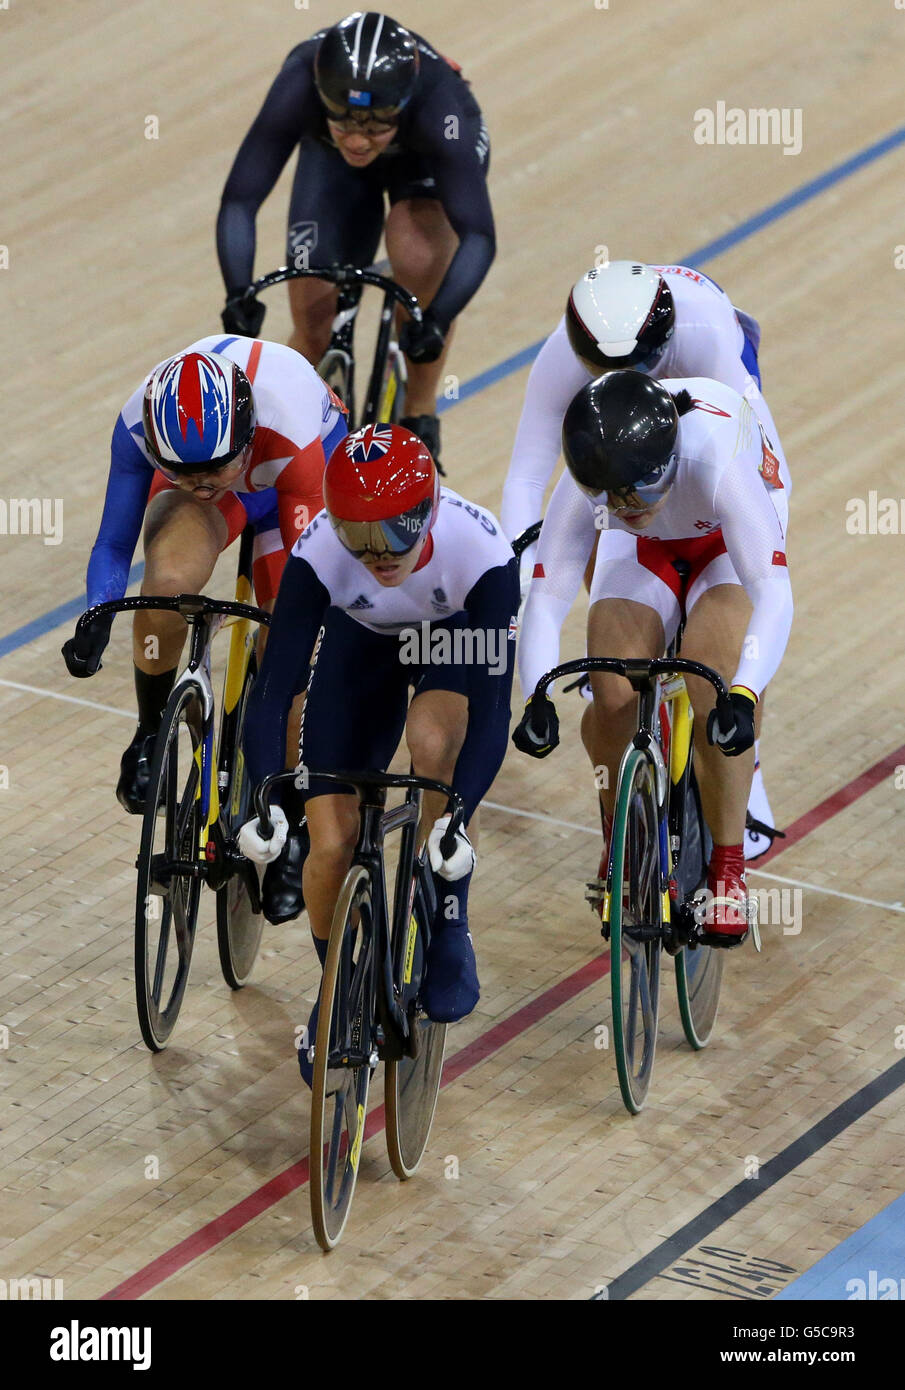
(197, 802)
(652, 896)
(370, 1010)
(386, 385)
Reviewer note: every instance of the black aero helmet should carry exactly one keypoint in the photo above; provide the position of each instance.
(367, 62)
(620, 315)
(619, 435)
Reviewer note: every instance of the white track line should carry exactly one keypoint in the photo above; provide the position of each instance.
(831, 892)
(497, 806)
(777, 878)
(69, 699)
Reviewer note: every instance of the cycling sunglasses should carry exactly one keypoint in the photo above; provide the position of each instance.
(396, 536)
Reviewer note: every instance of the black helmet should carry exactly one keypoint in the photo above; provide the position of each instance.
(366, 63)
(620, 315)
(619, 436)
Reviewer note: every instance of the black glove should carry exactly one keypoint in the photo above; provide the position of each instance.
(82, 653)
(243, 314)
(422, 342)
(731, 724)
(537, 732)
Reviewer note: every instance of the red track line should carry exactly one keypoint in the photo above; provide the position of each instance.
(836, 802)
(171, 1261)
(216, 1231)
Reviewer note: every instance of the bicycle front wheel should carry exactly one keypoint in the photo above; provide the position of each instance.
(412, 1083)
(166, 905)
(699, 972)
(342, 1060)
(239, 928)
(635, 928)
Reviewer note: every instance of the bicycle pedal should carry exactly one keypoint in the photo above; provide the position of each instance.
(595, 891)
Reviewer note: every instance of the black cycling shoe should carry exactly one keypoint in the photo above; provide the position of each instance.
(134, 772)
(281, 891)
(427, 428)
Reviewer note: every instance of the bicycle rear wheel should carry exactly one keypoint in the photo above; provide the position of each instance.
(335, 368)
(412, 1083)
(699, 971)
(239, 927)
(166, 906)
(394, 383)
(342, 1071)
(635, 928)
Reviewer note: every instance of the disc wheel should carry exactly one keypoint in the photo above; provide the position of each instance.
(699, 970)
(635, 929)
(412, 1083)
(166, 905)
(239, 927)
(341, 1073)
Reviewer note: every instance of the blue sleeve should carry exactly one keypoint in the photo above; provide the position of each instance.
(298, 613)
(278, 128)
(128, 485)
(492, 605)
(461, 187)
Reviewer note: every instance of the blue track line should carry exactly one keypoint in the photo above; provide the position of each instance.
(66, 611)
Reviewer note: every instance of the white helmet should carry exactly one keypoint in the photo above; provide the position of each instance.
(620, 315)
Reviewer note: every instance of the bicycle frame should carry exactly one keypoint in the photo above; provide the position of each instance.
(656, 681)
(350, 282)
(204, 617)
(376, 823)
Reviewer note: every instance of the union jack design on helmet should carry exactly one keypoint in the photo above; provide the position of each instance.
(198, 412)
(381, 490)
(369, 444)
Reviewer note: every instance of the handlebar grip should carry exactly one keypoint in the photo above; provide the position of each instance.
(262, 807)
(457, 816)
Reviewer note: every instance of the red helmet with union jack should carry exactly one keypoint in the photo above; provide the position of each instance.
(198, 412)
(381, 490)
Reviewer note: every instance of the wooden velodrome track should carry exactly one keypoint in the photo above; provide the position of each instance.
(536, 1184)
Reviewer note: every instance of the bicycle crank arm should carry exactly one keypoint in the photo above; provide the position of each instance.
(162, 870)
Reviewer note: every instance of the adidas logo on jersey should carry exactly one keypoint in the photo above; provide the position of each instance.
(360, 602)
(439, 602)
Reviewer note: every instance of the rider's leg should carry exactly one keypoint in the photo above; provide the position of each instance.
(333, 827)
(435, 731)
(622, 628)
(335, 218)
(714, 635)
(716, 628)
(183, 537)
(421, 244)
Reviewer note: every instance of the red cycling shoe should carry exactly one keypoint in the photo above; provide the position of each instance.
(727, 911)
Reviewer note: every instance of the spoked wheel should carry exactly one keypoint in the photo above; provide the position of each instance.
(342, 1071)
(635, 928)
(335, 368)
(166, 905)
(239, 927)
(699, 971)
(412, 1084)
(394, 382)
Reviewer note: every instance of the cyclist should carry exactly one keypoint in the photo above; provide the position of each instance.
(228, 432)
(666, 321)
(373, 109)
(402, 583)
(665, 471)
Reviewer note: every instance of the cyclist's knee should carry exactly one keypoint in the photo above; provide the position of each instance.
(333, 829)
(435, 749)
